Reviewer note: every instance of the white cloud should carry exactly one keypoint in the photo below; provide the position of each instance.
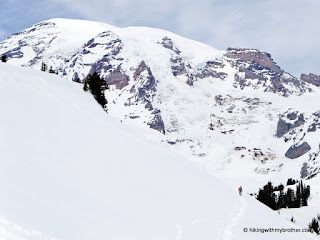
(285, 28)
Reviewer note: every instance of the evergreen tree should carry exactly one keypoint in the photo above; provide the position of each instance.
(290, 198)
(51, 70)
(281, 203)
(297, 201)
(305, 195)
(44, 67)
(278, 188)
(314, 226)
(267, 196)
(4, 58)
(96, 85)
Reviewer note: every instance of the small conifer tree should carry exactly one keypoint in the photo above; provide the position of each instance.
(44, 67)
(314, 226)
(4, 58)
(96, 86)
(51, 70)
(85, 85)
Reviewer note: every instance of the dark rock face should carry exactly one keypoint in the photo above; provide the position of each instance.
(167, 43)
(36, 27)
(210, 70)
(300, 121)
(257, 70)
(146, 87)
(118, 78)
(148, 106)
(297, 151)
(311, 78)
(103, 65)
(180, 67)
(143, 91)
(251, 74)
(310, 168)
(278, 82)
(304, 170)
(284, 127)
(75, 77)
(292, 116)
(15, 53)
(312, 128)
(157, 122)
(109, 65)
(253, 55)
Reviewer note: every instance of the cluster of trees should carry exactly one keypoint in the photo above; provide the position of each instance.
(44, 68)
(96, 86)
(4, 58)
(284, 199)
(314, 225)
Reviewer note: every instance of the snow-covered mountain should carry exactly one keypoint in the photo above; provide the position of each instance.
(219, 108)
(234, 112)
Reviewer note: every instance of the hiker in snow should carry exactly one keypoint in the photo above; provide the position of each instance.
(240, 190)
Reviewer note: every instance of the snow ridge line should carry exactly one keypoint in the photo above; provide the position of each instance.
(227, 231)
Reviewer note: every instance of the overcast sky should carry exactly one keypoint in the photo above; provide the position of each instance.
(288, 29)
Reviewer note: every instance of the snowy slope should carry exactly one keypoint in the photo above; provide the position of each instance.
(73, 172)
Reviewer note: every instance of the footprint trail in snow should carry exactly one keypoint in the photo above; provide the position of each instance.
(233, 221)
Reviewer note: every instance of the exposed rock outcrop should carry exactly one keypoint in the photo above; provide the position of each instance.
(167, 43)
(292, 115)
(297, 151)
(144, 88)
(210, 70)
(157, 122)
(253, 55)
(310, 168)
(257, 70)
(311, 78)
(179, 66)
(312, 127)
(284, 127)
(118, 78)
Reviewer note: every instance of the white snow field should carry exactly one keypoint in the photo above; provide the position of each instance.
(71, 171)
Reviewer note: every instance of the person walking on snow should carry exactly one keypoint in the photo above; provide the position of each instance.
(240, 191)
